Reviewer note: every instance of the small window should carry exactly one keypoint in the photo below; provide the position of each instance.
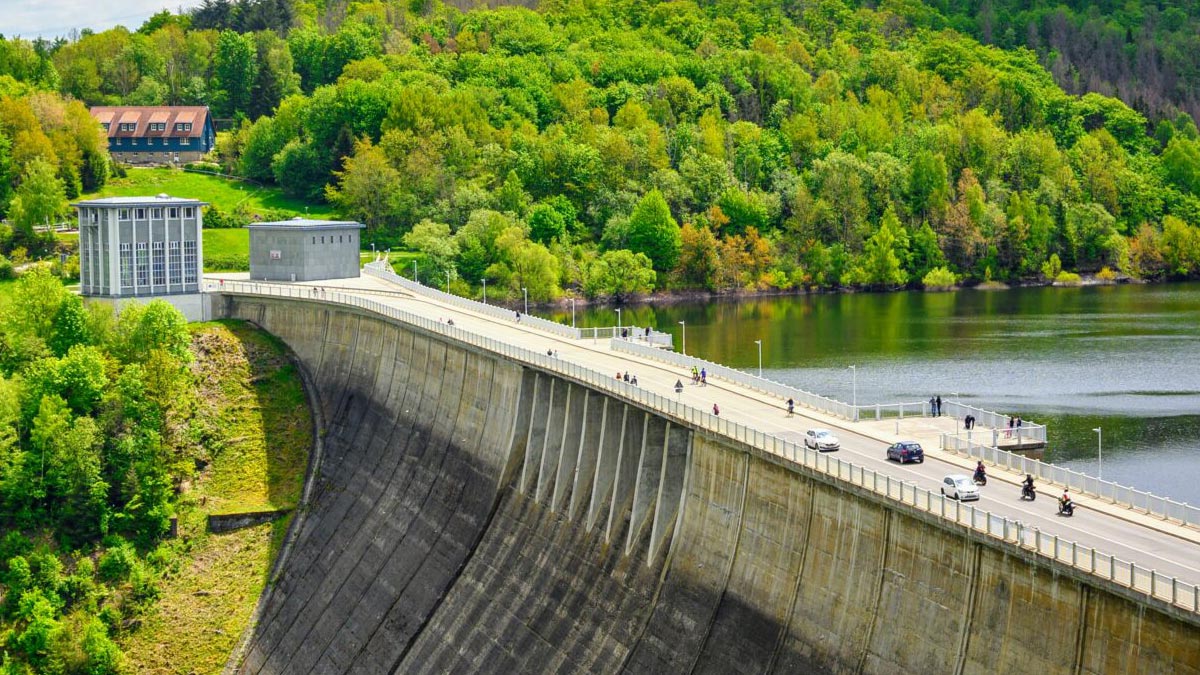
(157, 213)
(135, 141)
(183, 126)
(187, 212)
(141, 214)
(314, 240)
(173, 212)
(105, 125)
(123, 214)
(128, 126)
(185, 141)
(322, 239)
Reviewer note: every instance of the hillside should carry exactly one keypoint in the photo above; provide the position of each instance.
(119, 436)
(613, 148)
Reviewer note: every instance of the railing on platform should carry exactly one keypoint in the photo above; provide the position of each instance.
(1143, 580)
(383, 270)
(643, 335)
(1027, 432)
(1120, 495)
(803, 398)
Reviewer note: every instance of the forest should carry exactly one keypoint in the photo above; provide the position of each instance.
(614, 147)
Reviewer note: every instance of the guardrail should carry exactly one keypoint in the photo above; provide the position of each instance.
(1120, 495)
(646, 334)
(382, 269)
(1143, 580)
(805, 398)
(1028, 431)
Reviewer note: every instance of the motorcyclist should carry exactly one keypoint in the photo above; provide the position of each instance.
(1064, 503)
(1027, 486)
(980, 474)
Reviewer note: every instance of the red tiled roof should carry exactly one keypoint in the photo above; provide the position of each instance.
(143, 116)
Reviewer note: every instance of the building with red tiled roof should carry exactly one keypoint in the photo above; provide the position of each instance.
(157, 134)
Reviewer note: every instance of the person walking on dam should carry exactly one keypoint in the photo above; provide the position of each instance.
(791, 407)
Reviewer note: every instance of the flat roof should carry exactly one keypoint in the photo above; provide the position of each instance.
(306, 225)
(153, 200)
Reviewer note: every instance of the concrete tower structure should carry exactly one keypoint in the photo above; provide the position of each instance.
(142, 247)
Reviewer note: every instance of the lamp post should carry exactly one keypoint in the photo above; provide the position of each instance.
(618, 322)
(854, 390)
(759, 343)
(526, 292)
(414, 269)
(572, 312)
(447, 282)
(684, 338)
(1099, 452)
(485, 290)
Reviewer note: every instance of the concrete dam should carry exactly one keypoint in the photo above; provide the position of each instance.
(474, 514)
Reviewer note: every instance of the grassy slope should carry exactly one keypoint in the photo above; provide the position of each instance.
(259, 429)
(226, 250)
(222, 192)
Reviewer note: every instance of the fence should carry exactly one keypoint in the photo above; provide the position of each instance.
(1147, 581)
(1117, 494)
(808, 399)
(382, 269)
(635, 334)
(1028, 431)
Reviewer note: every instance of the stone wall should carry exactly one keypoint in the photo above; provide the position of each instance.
(473, 515)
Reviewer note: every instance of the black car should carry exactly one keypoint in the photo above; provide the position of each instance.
(906, 451)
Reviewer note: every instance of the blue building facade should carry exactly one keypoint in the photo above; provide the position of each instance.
(157, 134)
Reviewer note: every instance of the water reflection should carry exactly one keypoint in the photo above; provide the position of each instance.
(1118, 357)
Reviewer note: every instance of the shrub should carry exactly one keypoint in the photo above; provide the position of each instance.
(939, 279)
(1068, 279)
(1052, 267)
(6, 269)
(116, 563)
(1106, 274)
(226, 263)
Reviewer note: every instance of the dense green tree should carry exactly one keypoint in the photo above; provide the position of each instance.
(884, 254)
(235, 73)
(654, 232)
(367, 188)
(40, 199)
(618, 275)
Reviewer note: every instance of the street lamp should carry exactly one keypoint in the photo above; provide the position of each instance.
(1099, 452)
(759, 343)
(684, 325)
(414, 268)
(485, 290)
(618, 321)
(572, 312)
(854, 390)
(447, 282)
(526, 292)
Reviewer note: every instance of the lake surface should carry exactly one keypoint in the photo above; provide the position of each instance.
(1122, 358)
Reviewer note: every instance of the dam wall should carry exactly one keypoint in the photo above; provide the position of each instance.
(475, 514)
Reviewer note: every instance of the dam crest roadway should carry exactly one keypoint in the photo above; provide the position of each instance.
(490, 498)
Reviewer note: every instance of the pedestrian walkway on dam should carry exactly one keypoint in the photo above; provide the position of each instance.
(1174, 548)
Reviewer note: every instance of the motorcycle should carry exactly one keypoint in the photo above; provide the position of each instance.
(1028, 492)
(980, 478)
(1067, 509)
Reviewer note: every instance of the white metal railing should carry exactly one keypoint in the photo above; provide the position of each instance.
(644, 335)
(1027, 432)
(783, 391)
(1120, 495)
(1147, 581)
(383, 270)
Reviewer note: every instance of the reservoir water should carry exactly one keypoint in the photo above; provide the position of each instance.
(1120, 358)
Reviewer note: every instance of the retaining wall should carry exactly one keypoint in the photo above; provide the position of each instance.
(475, 515)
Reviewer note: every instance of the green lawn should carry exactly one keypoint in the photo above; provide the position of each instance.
(226, 250)
(225, 193)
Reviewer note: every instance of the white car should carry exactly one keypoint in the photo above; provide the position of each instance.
(821, 440)
(958, 486)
